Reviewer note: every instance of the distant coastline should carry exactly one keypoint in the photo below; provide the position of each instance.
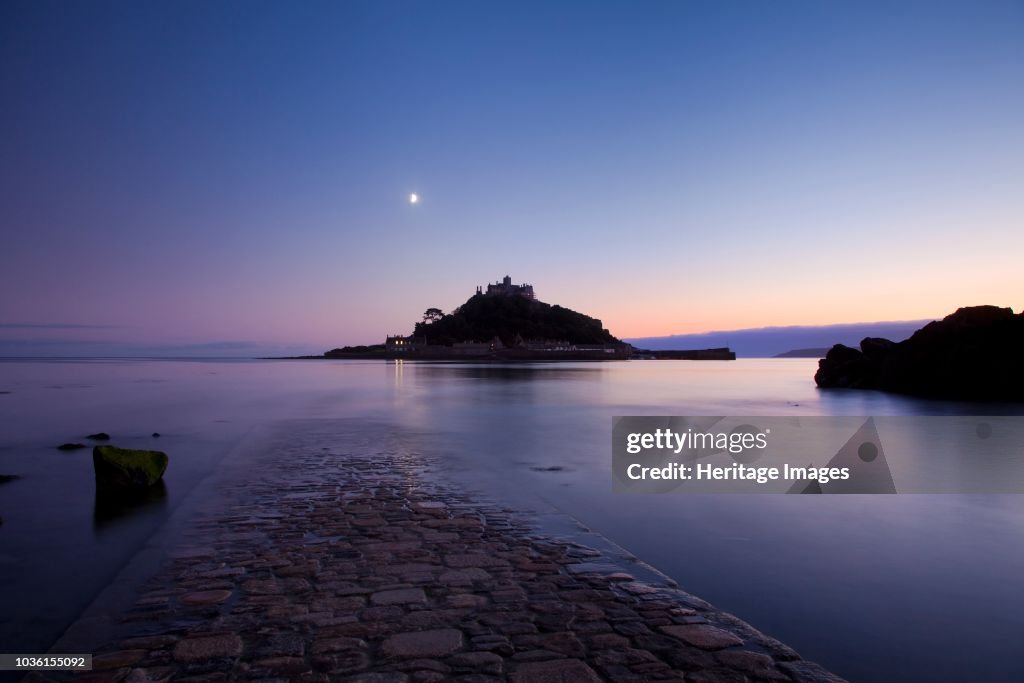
(803, 353)
(769, 342)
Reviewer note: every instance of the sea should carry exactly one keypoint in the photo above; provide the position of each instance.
(873, 587)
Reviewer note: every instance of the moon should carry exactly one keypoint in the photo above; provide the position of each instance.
(414, 198)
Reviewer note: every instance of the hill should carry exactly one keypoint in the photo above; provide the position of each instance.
(803, 353)
(484, 317)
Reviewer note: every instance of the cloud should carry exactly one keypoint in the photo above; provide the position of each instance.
(98, 348)
(765, 342)
(57, 326)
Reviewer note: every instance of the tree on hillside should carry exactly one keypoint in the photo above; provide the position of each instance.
(432, 315)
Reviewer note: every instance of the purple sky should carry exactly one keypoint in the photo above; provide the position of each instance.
(235, 175)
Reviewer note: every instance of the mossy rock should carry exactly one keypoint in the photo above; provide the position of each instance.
(127, 467)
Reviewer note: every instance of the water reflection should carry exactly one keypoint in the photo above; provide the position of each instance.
(872, 586)
(114, 505)
(506, 372)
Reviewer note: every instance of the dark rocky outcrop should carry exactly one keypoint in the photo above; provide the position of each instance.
(7, 478)
(125, 468)
(99, 436)
(71, 447)
(976, 353)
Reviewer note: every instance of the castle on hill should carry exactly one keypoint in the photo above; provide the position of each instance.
(506, 288)
(497, 324)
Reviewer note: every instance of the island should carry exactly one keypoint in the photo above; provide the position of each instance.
(507, 322)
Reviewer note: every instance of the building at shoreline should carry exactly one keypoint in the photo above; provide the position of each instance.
(506, 288)
(400, 344)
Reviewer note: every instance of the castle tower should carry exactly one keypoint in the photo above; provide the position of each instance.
(506, 288)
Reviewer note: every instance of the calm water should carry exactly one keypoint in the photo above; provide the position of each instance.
(876, 588)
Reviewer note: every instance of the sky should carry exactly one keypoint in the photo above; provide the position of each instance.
(231, 175)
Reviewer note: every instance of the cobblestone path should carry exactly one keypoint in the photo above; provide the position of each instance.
(329, 565)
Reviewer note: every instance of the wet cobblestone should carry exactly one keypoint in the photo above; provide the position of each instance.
(325, 566)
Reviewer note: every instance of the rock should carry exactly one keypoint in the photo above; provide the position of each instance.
(436, 643)
(281, 667)
(210, 597)
(127, 468)
(474, 560)
(536, 656)
(337, 644)
(972, 354)
(467, 600)
(99, 436)
(156, 435)
(207, 647)
(71, 447)
(565, 644)
(431, 665)
(609, 641)
(842, 366)
(554, 671)
(753, 663)
(463, 576)
(378, 677)
(401, 596)
(704, 636)
(478, 662)
(7, 478)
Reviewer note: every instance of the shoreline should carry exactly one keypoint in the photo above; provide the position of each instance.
(699, 355)
(326, 564)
